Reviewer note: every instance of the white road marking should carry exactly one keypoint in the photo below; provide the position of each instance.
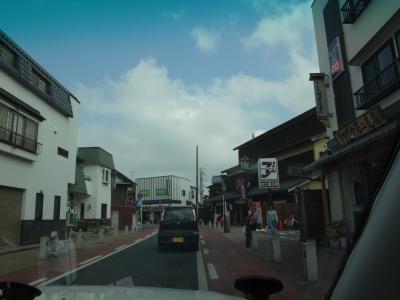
(202, 242)
(120, 247)
(201, 236)
(127, 281)
(89, 260)
(90, 263)
(201, 272)
(212, 272)
(40, 280)
(205, 251)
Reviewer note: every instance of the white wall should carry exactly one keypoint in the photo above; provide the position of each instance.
(49, 172)
(100, 193)
(177, 184)
(375, 15)
(323, 60)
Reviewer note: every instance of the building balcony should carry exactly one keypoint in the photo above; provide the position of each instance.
(382, 85)
(19, 141)
(352, 9)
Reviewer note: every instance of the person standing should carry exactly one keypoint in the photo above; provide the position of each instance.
(272, 219)
(251, 223)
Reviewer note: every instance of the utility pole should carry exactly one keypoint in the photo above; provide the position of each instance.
(201, 184)
(197, 181)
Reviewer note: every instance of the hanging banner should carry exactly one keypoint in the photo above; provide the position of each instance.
(268, 174)
(335, 58)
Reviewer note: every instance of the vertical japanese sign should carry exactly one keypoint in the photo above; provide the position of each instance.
(335, 58)
(268, 173)
(321, 100)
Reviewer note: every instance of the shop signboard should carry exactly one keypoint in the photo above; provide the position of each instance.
(364, 124)
(268, 173)
(335, 58)
(321, 99)
(161, 192)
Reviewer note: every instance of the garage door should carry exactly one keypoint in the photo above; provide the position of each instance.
(10, 215)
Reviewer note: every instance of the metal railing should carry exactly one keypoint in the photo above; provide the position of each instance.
(352, 9)
(19, 141)
(381, 83)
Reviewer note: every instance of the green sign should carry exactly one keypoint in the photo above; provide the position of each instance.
(145, 193)
(161, 192)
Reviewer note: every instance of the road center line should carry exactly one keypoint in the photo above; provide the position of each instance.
(205, 251)
(89, 260)
(40, 280)
(202, 242)
(120, 247)
(90, 263)
(212, 272)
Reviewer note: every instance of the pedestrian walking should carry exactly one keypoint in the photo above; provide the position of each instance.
(251, 223)
(272, 219)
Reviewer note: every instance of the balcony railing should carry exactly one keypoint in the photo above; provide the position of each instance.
(352, 9)
(19, 141)
(384, 83)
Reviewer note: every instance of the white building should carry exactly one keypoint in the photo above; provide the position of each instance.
(161, 191)
(358, 98)
(91, 195)
(38, 136)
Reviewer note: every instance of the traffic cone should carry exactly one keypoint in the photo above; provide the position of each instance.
(280, 226)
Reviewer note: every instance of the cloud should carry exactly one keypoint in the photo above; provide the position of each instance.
(174, 15)
(151, 122)
(206, 40)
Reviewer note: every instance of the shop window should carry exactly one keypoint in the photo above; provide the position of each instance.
(183, 193)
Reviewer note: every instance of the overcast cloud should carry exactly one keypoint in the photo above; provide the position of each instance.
(151, 122)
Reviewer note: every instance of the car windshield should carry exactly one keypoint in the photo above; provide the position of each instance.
(209, 148)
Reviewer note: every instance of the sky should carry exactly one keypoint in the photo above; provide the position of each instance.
(157, 78)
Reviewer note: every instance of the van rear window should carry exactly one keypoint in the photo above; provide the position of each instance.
(179, 214)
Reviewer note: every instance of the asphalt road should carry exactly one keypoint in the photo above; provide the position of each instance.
(140, 265)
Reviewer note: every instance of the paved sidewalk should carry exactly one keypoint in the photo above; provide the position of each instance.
(26, 267)
(225, 261)
(292, 266)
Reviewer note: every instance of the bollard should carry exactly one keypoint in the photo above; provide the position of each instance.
(209, 224)
(79, 240)
(310, 260)
(254, 240)
(276, 249)
(133, 228)
(126, 229)
(44, 240)
(101, 235)
(115, 231)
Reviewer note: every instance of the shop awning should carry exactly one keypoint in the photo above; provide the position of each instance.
(227, 196)
(353, 146)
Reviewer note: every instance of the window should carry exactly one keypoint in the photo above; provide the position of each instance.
(379, 62)
(62, 152)
(183, 193)
(7, 55)
(17, 129)
(105, 175)
(57, 206)
(192, 194)
(39, 206)
(104, 211)
(40, 82)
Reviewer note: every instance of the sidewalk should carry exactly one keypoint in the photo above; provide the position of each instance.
(225, 261)
(292, 266)
(24, 266)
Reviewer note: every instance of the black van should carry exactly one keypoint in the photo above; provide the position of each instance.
(179, 228)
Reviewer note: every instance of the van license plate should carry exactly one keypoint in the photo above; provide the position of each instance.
(177, 239)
